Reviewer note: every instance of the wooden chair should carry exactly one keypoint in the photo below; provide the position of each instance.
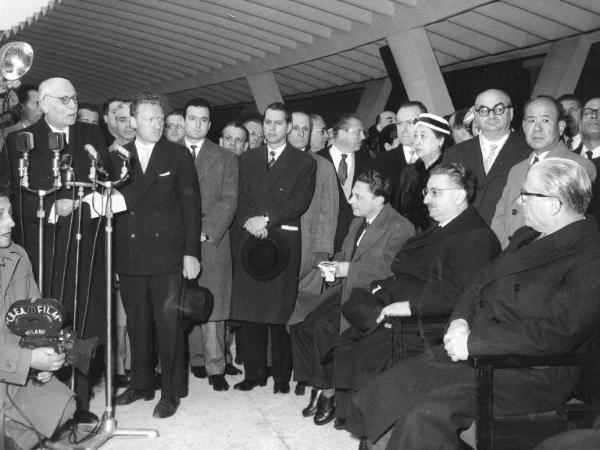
(399, 325)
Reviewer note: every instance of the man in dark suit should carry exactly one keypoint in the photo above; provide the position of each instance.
(430, 273)
(157, 239)
(277, 182)
(58, 101)
(492, 154)
(538, 297)
(349, 162)
(218, 177)
(590, 145)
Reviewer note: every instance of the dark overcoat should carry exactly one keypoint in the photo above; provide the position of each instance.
(490, 185)
(57, 238)
(282, 193)
(536, 298)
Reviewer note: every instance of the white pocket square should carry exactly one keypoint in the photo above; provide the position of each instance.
(164, 174)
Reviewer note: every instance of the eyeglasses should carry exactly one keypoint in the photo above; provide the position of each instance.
(498, 109)
(300, 130)
(236, 140)
(436, 192)
(321, 131)
(173, 126)
(524, 194)
(64, 100)
(590, 112)
(408, 122)
(256, 134)
(356, 131)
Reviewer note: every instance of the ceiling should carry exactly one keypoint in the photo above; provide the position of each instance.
(188, 48)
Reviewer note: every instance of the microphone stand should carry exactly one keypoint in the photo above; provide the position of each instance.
(109, 424)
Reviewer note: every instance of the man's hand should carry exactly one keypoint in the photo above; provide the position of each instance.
(46, 359)
(64, 206)
(341, 268)
(44, 377)
(456, 340)
(203, 237)
(191, 267)
(395, 309)
(261, 234)
(255, 224)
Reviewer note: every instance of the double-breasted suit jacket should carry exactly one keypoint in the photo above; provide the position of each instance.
(538, 297)
(490, 185)
(508, 217)
(283, 194)
(57, 237)
(218, 177)
(163, 218)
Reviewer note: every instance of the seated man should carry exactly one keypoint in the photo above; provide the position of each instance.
(374, 237)
(540, 296)
(27, 409)
(431, 271)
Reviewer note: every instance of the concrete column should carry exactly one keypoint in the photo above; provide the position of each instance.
(264, 89)
(373, 100)
(419, 70)
(562, 67)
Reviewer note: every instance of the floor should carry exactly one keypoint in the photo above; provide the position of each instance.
(226, 420)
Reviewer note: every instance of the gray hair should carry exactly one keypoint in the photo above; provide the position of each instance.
(565, 180)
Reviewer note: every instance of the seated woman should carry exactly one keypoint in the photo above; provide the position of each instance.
(431, 134)
(430, 273)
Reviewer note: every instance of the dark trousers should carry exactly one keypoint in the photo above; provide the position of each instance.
(151, 303)
(254, 338)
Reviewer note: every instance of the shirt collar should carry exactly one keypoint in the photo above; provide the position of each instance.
(189, 144)
(277, 150)
(144, 147)
(486, 143)
(595, 151)
(58, 130)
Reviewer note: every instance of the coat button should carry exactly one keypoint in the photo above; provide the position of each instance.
(514, 212)
(132, 213)
(156, 235)
(481, 303)
(517, 287)
(133, 236)
(495, 319)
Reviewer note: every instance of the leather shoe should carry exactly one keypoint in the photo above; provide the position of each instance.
(281, 388)
(131, 395)
(166, 407)
(199, 371)
(230, 369)
(364, 445)
(248, 385)
(311, 408)
(85, 417)
(218, 382)
(300, 388)
(325, 410)
(339, 424)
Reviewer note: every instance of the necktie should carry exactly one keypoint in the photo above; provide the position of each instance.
(589, 155)
(194, 148)
(570, 143)
(343, 170)
(359, 232)
(412, 158)
(271, 159)
(535, 160)
(489, 159)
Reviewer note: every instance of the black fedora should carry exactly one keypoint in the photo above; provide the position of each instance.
(197, 303)
(362, 309)
(264, 259)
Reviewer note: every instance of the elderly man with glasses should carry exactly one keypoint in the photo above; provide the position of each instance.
(538, 297)
(58, 101)
(543, 126)
(493, 152)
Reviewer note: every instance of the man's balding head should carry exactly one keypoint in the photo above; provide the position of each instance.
(493, 126)
(58, 101)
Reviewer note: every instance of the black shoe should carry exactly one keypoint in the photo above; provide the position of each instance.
(311, 408)
(218, 382)
(120, 381)
(325, 410)
(157, 383)
(339, 424)
(131, 395)
(166, 407)
(85, 417)
(230, 369)
(248, 385)
(300, 388)
(281, 388)
(364, 445)
(199, 371)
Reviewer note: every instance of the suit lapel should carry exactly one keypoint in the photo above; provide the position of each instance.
(205, 159)
(280, 167)
(10, 263)
(142, 181)
(373, 232)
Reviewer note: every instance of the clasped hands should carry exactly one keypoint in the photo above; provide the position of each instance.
(257, 227)
(455, 340)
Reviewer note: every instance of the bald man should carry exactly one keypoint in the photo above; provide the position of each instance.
(58, 101)
(492, 154)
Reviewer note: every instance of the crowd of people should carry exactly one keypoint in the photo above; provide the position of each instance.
(308, 237)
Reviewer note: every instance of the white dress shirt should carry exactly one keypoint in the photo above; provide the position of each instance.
(336, 157)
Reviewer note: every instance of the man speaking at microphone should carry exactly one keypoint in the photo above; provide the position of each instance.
(157, 240)
(58, 102)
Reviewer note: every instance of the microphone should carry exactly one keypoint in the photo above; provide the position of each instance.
(122, 152)
(93, 154)
(65, 161)
(24, 142)
(56, 141)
